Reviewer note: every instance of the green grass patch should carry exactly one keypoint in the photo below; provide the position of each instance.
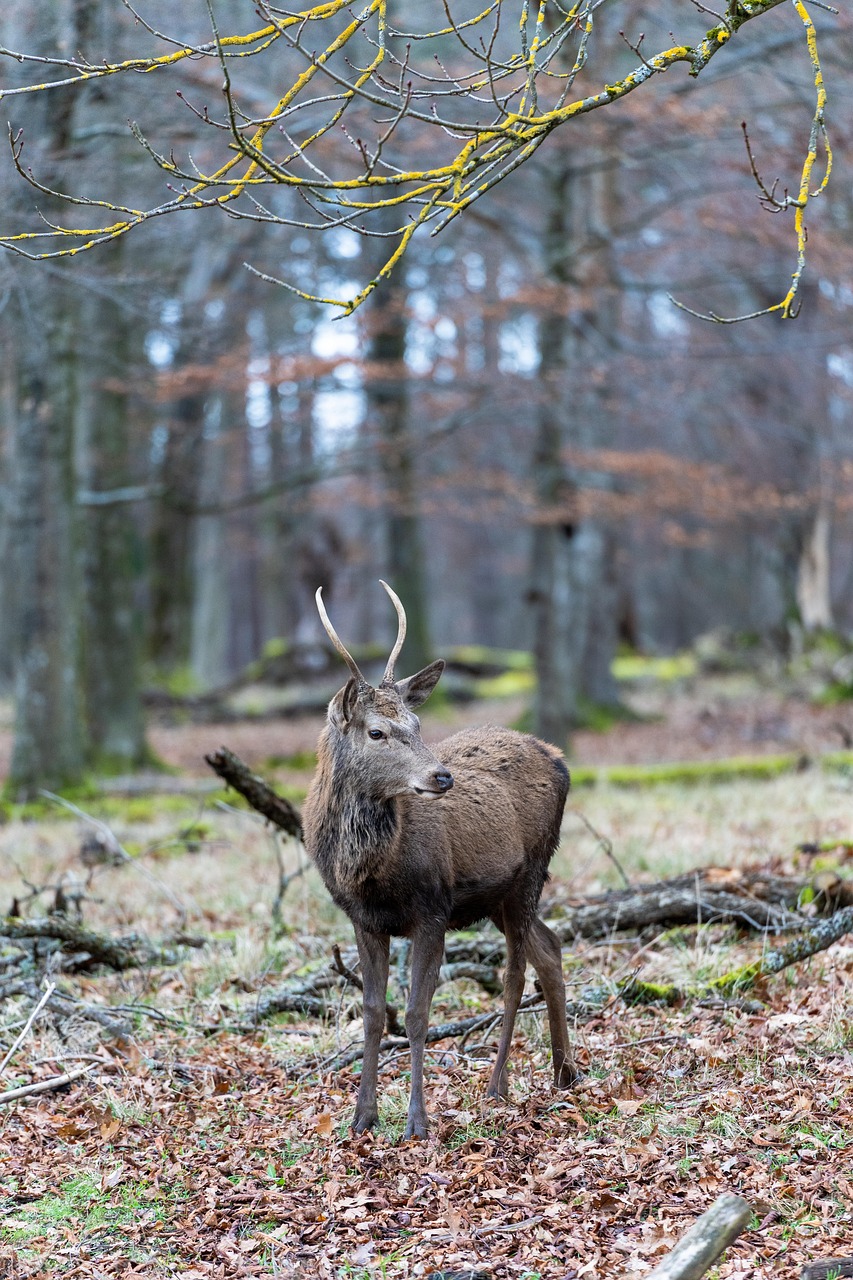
(835, 693)
(93, 1211)
(141, 809)
(300, 760)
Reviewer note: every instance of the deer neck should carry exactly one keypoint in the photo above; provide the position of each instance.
(359, 835)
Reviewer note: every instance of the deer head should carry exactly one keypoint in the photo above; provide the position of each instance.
(376, 728)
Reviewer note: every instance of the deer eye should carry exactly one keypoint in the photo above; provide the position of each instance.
(375, 734)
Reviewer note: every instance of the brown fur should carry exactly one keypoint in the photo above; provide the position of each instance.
(407, 851)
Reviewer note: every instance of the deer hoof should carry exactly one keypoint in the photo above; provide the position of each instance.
(416, 1127)
(364, 1120)
(498, 1088)
(567, 1075)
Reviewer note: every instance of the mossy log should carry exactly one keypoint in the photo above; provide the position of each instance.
(819, 935)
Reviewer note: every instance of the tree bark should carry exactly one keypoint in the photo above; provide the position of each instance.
(49, 738)
(171, 539)
(553, 588)
(388, 409)
(109, 540)
(111, 626)
(210, 593)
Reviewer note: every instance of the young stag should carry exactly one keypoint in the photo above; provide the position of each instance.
(411, 844)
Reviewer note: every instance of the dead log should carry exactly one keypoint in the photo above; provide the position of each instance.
(90, 948)
(665, 905)
(260, 795)
(820, 935)
(698, 1250)
(827, 1267)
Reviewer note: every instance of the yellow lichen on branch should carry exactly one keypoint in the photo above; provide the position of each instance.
(519, 84)
(818, 130)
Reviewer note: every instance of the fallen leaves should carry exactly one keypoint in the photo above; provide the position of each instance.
(213, 1185)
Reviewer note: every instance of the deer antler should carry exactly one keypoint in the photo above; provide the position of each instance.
(388, 678)
(336, 640)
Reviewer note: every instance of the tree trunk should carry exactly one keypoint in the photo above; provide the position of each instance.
(553, 590)
(111, 627)
(109, 539)
(171, 542)
(49, 748)
(388, 409)
(573, 577)
(7, 418)
(49, 738)
(210, 607)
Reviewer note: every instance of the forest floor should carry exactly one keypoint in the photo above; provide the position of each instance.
(194, 1149)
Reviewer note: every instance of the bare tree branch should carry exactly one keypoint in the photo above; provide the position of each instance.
(487, 111)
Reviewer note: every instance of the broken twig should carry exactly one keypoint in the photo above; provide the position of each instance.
(45, 1086)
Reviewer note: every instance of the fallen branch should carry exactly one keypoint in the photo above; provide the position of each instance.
(260, 795)
(19, 1040)
(684, 900)
(463, 1028)
(698, 1250)
(131, 952)
(65, 1005)
(632, 990)
(819, 936)
(115, 847)
(753, 899)
(306, 997)
(44, 1086)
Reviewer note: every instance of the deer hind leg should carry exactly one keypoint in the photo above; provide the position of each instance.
(543, 952)
(373, 953)
(514, 932)
(427, 954)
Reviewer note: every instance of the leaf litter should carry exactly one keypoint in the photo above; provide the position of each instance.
(195, 1152)
(205, 1158)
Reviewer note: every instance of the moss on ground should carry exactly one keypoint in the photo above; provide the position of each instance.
(685, 772)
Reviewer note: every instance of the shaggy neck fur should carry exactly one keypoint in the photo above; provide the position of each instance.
(358, 835)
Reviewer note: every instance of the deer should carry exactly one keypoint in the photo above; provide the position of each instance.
(411, 843)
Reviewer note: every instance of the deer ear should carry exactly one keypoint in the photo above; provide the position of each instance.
(342, 707)
(416, 689)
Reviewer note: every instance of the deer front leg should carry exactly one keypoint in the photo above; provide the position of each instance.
(427, 954)
(373, 953)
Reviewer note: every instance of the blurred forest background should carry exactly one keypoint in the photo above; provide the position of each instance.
(626, 528)
(519, 431)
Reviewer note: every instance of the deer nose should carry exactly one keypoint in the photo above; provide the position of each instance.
(443, 779)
